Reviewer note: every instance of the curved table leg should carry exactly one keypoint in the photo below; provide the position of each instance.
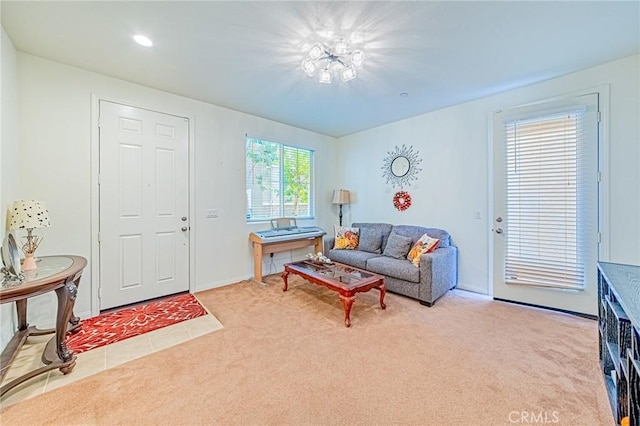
(285, 274)
(21, 309)
(66, 299)
(56, 354)
(74, 321)
(347, 303)
(383, 291)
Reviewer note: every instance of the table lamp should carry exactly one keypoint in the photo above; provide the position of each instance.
(341, 196)
(29, 214)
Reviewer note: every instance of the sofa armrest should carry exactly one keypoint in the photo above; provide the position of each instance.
(328, 244)
(438, 273)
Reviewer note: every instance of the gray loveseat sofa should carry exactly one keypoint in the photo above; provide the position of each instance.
(438, 271)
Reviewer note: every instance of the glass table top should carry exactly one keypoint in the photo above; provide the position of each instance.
(47, 266)
(339, 272)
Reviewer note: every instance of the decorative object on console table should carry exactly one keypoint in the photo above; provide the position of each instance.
(29, 214)
(12, 270)
(341, 196)
(619, 337)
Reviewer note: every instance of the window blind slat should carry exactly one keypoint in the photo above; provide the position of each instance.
(543, 200)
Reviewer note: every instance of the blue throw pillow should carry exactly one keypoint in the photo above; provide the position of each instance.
(370, 240)
(397, 246)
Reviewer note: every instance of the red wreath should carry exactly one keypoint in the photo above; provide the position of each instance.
(402, 200)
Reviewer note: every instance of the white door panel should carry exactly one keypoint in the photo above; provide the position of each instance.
(144, 253)
(582, 300)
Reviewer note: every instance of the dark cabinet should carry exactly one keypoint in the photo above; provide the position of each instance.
(619, 337)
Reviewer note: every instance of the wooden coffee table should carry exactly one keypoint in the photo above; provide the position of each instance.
(344, 279)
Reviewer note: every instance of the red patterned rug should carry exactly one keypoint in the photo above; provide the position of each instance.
(129, 322)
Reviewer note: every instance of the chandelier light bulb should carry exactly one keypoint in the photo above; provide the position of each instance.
(357, 58)
(316, 51)
(309, 67)
(349, 73)
(325, 76)
(340, 48)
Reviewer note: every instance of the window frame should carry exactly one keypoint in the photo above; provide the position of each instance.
(281, 183)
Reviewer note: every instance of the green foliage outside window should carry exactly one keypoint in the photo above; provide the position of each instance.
(279, 180)
(297, 177)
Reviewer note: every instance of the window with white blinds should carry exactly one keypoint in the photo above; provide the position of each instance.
(547, 197)
(279, 181)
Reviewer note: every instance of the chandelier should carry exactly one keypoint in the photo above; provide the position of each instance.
(328, 59)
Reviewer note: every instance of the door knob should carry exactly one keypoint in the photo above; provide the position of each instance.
(184, 229)
(499, 231)
(184, 218)
(498, 219)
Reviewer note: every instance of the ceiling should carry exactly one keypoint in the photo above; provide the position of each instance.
(246, 55)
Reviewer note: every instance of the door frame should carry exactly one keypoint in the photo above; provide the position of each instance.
(95, 190)
(603, 166)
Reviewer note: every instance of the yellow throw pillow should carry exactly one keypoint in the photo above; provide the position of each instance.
(346, 238)
(425, 244)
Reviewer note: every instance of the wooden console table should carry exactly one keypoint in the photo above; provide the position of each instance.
(261, 247)
(55, 273)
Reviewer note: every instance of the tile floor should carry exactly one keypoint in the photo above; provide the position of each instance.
(97, 360)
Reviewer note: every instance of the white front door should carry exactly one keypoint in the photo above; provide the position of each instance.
(144, 204)
(545, 224)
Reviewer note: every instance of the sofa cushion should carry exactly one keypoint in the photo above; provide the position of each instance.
(425, 244)
(384, 228)
(370, 240)
(397, 268)
(355, 258)
(346, 238)
(397, 246)
(415, 232)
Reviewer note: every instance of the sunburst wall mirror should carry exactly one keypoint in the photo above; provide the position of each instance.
(400, 166)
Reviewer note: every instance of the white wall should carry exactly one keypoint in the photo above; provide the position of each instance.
(54, 158)
(454, 183)
(9, 154)
(55, 127)
(8, 160)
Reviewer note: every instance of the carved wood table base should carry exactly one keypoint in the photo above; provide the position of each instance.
(344, 279)
(63, 278)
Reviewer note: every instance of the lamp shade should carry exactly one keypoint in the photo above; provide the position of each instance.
(341, 196)
(29, 214)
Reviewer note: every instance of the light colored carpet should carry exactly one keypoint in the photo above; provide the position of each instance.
(286, 358)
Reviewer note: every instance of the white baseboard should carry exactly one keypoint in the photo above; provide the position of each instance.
(472, 288)
(216, 284)
(84, 314)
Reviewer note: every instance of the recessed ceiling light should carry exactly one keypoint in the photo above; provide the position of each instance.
(143, 40)
(404, 94)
